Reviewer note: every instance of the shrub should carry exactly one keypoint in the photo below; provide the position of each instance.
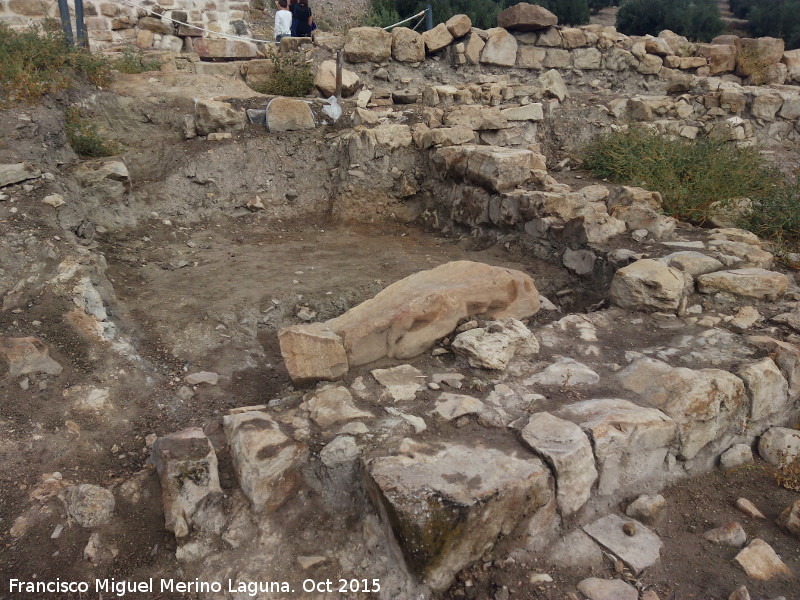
(597, 5)
(292, 77)
(694, 19)
(39, 60)
(779, 18)
(134, 61)
(740, 8)
(483, 13)
(84, 138)
(692, 175)
(382, 13)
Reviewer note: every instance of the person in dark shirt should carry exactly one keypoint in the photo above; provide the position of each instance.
(301, 19)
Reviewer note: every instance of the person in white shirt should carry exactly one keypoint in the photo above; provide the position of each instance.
(283, 21)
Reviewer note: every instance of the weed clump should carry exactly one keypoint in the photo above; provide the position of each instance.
(133, 62)
(292, 77)
(38, 60)
(84, 138)
(698, 177)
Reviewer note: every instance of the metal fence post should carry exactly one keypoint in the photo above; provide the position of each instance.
(80, 25)
(63, 10)
(339, 69)
(428, 17)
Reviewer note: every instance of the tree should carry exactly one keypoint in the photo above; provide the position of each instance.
(780, 18)
(698, 20)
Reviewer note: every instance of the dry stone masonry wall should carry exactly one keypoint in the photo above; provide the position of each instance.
(148, 25)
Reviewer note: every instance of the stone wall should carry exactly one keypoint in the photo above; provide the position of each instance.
(113, 23)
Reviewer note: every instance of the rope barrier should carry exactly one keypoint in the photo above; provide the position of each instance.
(419, 14)
(212, 33)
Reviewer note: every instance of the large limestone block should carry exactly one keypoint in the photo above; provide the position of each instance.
(499, 169)
(17, 172)
(407, 45)
(564, 446)
(678, 45)
(325, 80)
(640, 216)
(332, 405)
(692, 263)
(765, 106)
(474, 48)
(407, 318)
(448, 505)
(704, 403)
(752, 283)
(493, 346)
(767, 388)
(587, 58)
(573, 37)
(492, 167)
(553, 85)
(187, 469)
(791, 58)
(214, 48)
(752, 256)
(28, 355)
(780, 446)
(526, 17)
(753, 55)
(477, 117)
(786, 356)
(649, 285)
(500, 49)
(530, 57)
(650, 64)
(437, 38)
(459, 25)
(630, 441)
(265, 459)
(721, 57)
(289, 114)
(312, 352)
(556, 58)
(212, 116)
(791, 107)
(368, 44)
(156, 25)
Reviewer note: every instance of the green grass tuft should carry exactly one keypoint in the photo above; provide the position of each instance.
(84, 137)
(292, 77)
(133, 62)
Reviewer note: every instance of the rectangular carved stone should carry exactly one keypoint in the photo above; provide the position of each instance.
(407, 318)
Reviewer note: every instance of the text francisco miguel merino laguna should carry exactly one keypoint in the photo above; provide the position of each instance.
(150, 586)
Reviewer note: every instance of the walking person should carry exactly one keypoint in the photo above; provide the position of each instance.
(283, 21)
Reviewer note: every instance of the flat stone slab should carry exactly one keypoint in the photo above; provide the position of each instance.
(752, 283)
(638, 551)
(607, 589)
(402, 382)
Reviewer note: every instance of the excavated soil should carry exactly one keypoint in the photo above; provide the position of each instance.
(209, 293)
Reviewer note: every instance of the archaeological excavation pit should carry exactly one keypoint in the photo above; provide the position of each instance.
(415, 352)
